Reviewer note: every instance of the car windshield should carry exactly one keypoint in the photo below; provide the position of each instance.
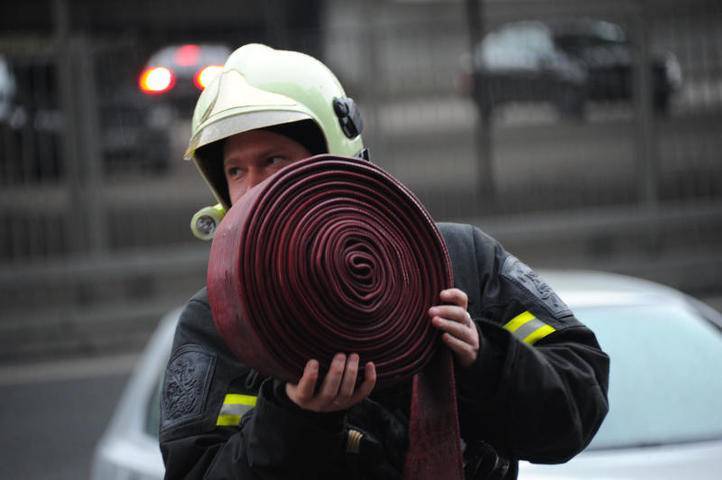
(665, 383)
(575, 42)
(577, 36)
(515, 46)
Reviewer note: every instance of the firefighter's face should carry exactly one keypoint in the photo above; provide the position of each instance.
(251, 157)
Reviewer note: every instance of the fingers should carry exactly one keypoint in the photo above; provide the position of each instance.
(338, 390)
(305, 387)
(465, 353)
(460, 333)
(332, 381)
(349, 377)
(455, 297)
(364, 390)
(451, 312)
(465, 332)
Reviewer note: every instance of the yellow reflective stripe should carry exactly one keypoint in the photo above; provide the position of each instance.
(238, 399)
(517, 322)
(527, 328)
(538, 334)
(235, 405)
(228, 420)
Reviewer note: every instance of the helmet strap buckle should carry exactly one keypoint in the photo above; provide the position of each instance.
(349, 116)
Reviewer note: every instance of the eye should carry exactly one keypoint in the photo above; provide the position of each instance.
(276, 160)
(232, 172)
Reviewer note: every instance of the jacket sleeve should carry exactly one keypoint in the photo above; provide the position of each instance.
(274, 440)
(538, 389)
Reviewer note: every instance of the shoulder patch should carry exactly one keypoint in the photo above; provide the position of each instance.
(520, 274)
(186, 384)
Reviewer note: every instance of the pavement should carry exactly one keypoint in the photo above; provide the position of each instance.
(69, 370)
(57, 411)
(54, 413)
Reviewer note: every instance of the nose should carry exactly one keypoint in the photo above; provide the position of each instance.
(256, 175)
(252, 177)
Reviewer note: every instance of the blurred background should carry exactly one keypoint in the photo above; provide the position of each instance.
(583, 134)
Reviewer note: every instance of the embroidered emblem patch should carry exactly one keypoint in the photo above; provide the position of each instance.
(519, 273)
(186, 384)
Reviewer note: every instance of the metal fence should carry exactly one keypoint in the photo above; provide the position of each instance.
(85, 167)
(629, 141)
(91, 172)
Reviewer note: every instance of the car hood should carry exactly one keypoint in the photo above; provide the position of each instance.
(701, 461)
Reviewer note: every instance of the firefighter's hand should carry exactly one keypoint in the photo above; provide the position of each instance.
(460, 333)
(338, 390)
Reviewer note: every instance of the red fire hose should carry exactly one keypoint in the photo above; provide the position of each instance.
(332, 255)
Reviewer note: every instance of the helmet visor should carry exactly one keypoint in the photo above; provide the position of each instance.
(231, 125)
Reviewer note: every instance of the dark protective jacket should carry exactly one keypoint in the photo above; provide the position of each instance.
(537, 391)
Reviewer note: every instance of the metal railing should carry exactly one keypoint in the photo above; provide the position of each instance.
(92, 185)
(83, 169)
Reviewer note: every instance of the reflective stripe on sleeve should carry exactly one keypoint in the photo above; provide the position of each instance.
(527, 328)
(234, 407)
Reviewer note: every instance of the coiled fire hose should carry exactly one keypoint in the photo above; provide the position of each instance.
(330, 255)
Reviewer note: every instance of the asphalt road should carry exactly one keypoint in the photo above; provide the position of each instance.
(48, 428)
(53, 414)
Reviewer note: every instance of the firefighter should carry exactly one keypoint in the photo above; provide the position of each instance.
(531, 379)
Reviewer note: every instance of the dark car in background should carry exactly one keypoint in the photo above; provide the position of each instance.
(566, 63)
(32, 124)
(174, 76)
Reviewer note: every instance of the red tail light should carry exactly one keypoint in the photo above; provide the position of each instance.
(205, 75)
(156, 80)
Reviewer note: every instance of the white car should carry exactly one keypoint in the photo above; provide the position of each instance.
(665, 419)
(7, 90)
